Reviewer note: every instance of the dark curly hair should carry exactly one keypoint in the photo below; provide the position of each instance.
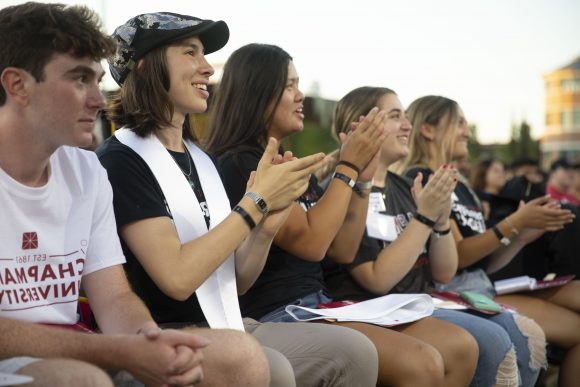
(31, 33)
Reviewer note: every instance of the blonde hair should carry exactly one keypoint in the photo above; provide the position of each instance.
(442, 114)
(349, 109)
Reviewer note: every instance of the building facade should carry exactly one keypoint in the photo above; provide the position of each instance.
(561, 137)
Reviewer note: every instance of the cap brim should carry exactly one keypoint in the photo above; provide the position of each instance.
(213, 34)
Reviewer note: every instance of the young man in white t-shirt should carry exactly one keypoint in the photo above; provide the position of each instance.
(57, 227)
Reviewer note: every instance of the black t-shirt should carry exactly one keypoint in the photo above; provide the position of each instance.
(399, 203)
(465, 210)
(136, 196)
(285, 277)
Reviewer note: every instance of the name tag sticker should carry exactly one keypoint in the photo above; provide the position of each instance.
(376, 203)
(381, 226)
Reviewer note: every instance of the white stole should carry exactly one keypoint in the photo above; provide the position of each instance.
(218, 295)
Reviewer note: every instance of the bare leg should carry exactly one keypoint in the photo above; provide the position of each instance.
(567, 296)
(457, 347)
(403, 360)
(561, 325)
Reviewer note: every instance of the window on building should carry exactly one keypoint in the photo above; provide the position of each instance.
(570, 85)
(570, 119)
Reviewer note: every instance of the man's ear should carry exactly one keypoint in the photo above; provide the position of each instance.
(428, 131)
(16, 83)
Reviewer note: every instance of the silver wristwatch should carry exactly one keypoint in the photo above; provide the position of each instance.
(260, 202)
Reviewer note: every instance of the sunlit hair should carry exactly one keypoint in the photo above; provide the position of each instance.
(31, 33)
(249, 93)
(354, 104)
(143, 102)
(442, 114)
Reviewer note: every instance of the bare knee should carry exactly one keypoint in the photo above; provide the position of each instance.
(536, 340)
(234, 358)
(465, 351)
(433, 369)
(507, 373)
(423, 367)
(66, 372)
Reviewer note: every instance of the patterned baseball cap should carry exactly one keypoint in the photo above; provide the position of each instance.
(145, 32)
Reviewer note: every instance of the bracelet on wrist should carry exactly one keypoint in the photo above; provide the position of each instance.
(349, 165)
(244, 214)
(341, 176)
(502, 238)
(440, 233)
(350, 182)
(513, 230)
(364, 184)
(425, 220)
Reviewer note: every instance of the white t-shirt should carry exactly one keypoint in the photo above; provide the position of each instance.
(50, 236)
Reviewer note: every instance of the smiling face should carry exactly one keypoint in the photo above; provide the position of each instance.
(64, 105)
(462, 136)
(398, 128)
(189, 74)
(288, 117)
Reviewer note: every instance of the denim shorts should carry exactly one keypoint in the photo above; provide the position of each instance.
(311, 300)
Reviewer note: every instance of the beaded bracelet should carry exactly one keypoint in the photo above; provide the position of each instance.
(244, 214)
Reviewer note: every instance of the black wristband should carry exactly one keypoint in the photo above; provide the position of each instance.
(425, 220)
(350, 165)
(440, 233)
(502, 238)
(244, 214)
(341, 176)
(497, 233)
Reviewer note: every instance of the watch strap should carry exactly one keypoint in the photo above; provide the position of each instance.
(502, 238)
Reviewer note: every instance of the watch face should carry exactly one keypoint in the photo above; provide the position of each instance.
(262, 204)
(505, 241)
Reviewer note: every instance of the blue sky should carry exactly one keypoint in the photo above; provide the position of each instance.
(489, 55)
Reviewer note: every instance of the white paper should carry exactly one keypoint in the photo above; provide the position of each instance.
(392, 309)
(447, 304)
(515, 284)
(381, 226)
(12, 380)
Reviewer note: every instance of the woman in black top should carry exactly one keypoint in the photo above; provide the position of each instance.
(330, 223)
(189, 253)
(420, 252)
(440, 135)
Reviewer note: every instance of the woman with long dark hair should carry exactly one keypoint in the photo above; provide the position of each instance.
(259, 97)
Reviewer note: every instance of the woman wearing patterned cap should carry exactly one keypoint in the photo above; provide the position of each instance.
(188, 254)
